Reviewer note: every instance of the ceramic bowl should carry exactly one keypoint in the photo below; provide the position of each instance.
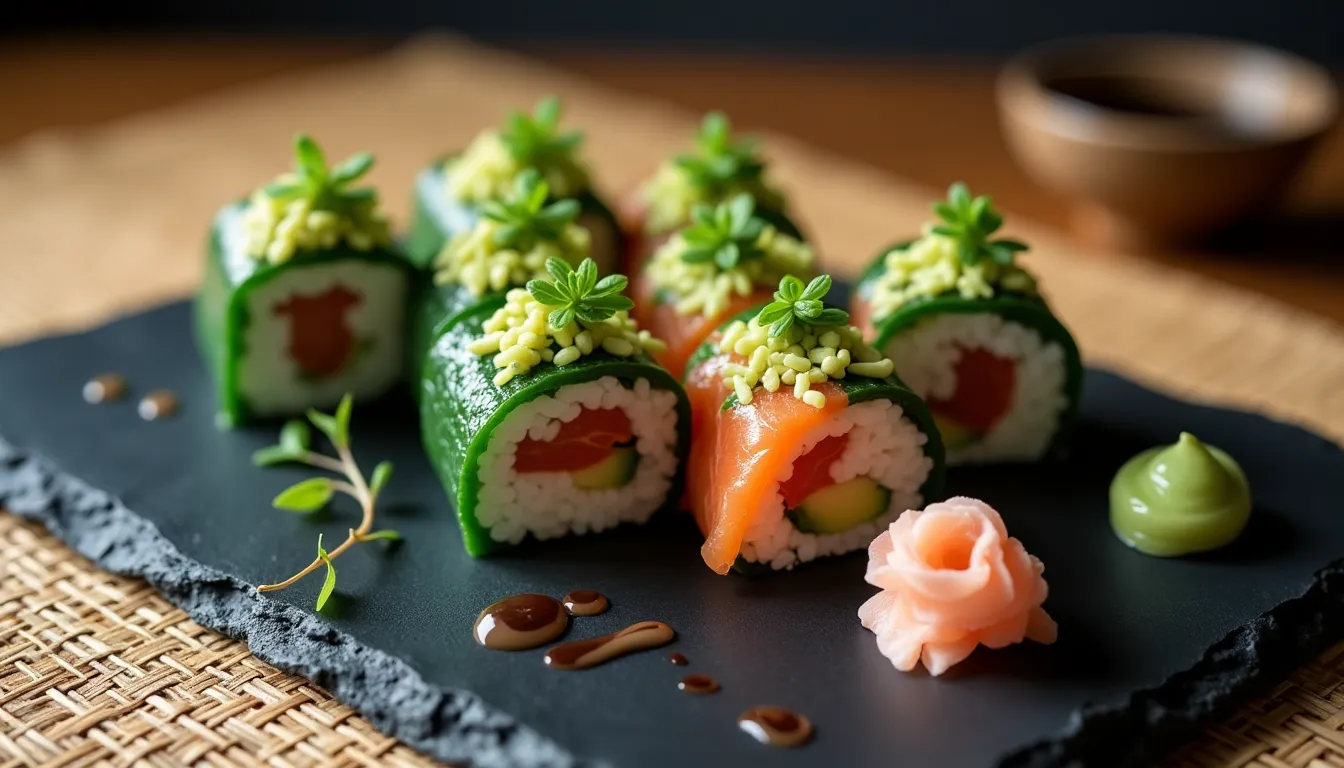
(1162, 139)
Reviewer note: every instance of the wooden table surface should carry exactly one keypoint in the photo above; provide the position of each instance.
(858, 108)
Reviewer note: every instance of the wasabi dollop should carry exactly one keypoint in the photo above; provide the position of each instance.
(1179, 499)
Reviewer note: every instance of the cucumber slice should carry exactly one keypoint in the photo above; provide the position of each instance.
(837, 508)
(614, 471)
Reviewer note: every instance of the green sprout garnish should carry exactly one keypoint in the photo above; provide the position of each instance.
(328, 188)
(720, 162)
(970, 221)
(310, 495)
(578, 292)
(726, 235)
(525, 216)
(536, 140)
(795, 303)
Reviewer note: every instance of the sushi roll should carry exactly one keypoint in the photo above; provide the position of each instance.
(450, 193)
(304, 293)
(969, 332)
(805, 443)
(727, 260)
(719, 169)
(543, 414)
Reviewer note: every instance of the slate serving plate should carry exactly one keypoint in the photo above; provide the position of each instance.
(1148, 647)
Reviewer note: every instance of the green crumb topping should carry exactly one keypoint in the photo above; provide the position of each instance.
(955, 254)
(726, 252)
(486, 169)
(719, 169)
(314, 207)
(559, 322)
(798, 341)
(511, 242)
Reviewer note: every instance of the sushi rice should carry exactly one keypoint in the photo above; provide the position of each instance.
(547, 504)
(883, 445)
(926, 357)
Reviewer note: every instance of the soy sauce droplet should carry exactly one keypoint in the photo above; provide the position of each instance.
(520, 622)
(698, 684)
(678, 659)
(104, 388)
(159, 404)
(582, 654)
(775, 726)
(586, 602)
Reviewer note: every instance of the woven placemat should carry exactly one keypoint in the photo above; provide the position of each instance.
(113, 219)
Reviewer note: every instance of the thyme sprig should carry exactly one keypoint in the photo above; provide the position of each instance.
(726, 235)
(327, 188)
(802, 305)
(535, 140)
(970, 221)
(525, 217)
(579, 293)
(721, 162)
(310, 495)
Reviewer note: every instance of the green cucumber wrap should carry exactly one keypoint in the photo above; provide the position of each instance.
(1030, 311)
(221, 313)
(437, 217)
(460, 405)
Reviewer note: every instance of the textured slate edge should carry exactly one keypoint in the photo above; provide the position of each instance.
(451, 725)
(1247, 661)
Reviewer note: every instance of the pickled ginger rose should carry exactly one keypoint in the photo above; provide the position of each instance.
(952, 578)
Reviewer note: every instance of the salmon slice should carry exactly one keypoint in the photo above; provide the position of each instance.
(738, 455)
(580, 444)
(986, 384)
(812, 470)
(683, 334)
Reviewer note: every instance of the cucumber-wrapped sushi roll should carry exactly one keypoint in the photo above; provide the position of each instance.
(544, 415)
(719, 169)
(727, 260)
(304, 293)
(805, 443)
(968, 331)
(450, 193)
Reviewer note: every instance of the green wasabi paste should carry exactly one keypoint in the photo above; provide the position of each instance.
(1179, 499)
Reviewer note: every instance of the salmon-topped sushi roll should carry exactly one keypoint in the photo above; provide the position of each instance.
(804, 442)
(304, 294)
(451, 194)
(543, 413)
(970, 333)
(718, 169)
(728, 259)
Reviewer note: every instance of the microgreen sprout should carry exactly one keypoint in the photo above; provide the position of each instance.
(970, 221)
(525, 217)
(721, 163)
(536, 140)
(578, 293)
(798, 304)
(726, 235)
(328, 188)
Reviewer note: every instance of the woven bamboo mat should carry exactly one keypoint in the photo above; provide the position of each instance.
(97, 669)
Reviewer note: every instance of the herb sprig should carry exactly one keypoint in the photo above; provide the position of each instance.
(578, 293)
(310, 495)
(536, 140)
(720, 162)
(970, 221)
(525, 216)
(798, 304)
(726, 235)
(327, 188)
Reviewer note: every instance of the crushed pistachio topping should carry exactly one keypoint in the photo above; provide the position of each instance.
(562, 321)
(955, 254)
(720, 168)
(487, 167)
(727, 252)
(315, 207)
(510, 243)
(797, 341)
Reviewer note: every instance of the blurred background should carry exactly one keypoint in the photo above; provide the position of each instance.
(908, 87)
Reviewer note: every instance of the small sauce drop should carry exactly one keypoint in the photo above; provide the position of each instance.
(698, 684)
(104, 388)
(520, 622)
(582, 654)
(586, 602)
(678, 659)
(159, 404)
(775, 726)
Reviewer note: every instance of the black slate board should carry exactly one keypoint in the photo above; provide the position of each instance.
(1147, 647)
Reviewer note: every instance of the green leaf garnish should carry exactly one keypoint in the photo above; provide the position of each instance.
(536, 140)
(578, 293)
(294, 436)
(970, 221)
(726, 235)
(328, 585)
(293, 446)
(335, 426)
(525, 217)
(721, 164)
(387, 534)
(381, 474)
(800, 304)
(328, 189)
(307, 496)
